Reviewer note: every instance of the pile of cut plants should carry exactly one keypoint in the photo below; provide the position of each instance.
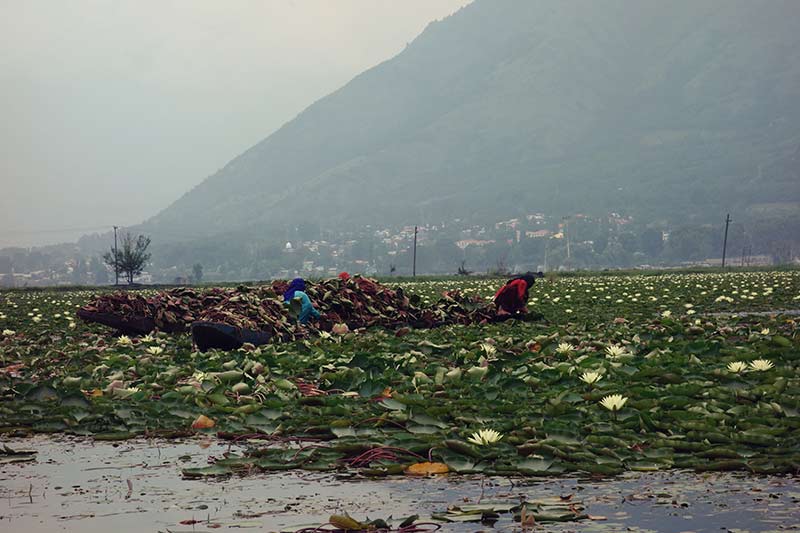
(355, 302)
(634, 373)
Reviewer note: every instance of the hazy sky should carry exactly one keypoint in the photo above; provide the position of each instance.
(112, 109)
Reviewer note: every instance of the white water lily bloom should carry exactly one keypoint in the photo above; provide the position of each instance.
(9, 332)
(485, 437)
(124, 340)
(615, 350)
(666, 314)
(591, 377)
(488, 348)
(148, 338)
(737, 367)
(765, 331)
(691, 312)
(155, 350)
(564, 348)
(761, 365)
(613, 402)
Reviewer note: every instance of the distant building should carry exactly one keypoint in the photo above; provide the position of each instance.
(513, 223)
(539, 217)
(749, 260)
(538, 234)
(473, 242)
(619, 220)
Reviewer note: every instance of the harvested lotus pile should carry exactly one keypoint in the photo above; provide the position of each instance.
(357, 302)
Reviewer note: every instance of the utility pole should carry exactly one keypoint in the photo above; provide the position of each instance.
(414, 266)
(116, 258)
(725, 241)
(546, 242)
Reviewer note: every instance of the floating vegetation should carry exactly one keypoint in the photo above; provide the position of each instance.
(701, 390)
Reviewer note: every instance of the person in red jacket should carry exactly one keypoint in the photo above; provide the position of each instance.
(512, 298)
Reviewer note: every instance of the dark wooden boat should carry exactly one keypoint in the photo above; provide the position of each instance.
(138, 325)
(132, 325)
(209, 335)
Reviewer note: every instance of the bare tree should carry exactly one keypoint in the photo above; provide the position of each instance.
(131, 257)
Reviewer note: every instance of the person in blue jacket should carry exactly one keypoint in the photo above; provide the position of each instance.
(297, 290)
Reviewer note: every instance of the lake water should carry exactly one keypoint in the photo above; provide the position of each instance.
(81, 485)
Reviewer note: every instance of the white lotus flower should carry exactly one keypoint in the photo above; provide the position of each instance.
(564, 348)
(148, 338)
(613, 402)
(124, 340)
(614, 351)
(199, 376)
(765, 331)
(488, 348)
(155, 350)
(485, 437)
(666, 314)
(761, 365)
(591, 377)
(9, 332)
(737, 367)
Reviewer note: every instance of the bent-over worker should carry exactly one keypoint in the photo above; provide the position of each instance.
(512, 298)
(297, 290)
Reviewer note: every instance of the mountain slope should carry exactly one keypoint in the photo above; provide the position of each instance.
(674, 109)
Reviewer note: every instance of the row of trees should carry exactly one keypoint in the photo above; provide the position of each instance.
(585, 244)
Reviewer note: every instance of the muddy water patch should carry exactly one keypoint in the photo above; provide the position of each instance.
(80, 485)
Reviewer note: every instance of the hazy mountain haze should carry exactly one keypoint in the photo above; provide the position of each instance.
(112, 110)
